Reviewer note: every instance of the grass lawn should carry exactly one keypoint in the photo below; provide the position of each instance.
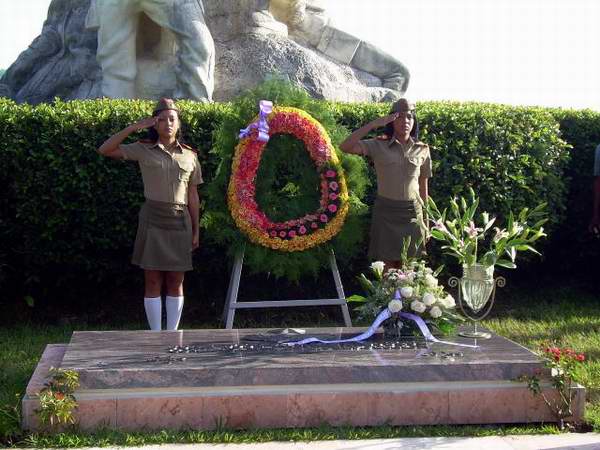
(567, 317)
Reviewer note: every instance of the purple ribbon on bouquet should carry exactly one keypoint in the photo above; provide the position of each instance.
(427, 333)
(381, 317)
(265, 107)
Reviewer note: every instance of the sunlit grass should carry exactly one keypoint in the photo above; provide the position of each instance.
(326, 433)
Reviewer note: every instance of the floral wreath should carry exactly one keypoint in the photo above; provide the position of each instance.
(297, 234)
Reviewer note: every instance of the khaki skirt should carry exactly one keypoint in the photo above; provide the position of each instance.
(164, 237)
(391, 223)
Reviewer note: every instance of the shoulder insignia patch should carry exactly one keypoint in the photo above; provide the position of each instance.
(187, 147)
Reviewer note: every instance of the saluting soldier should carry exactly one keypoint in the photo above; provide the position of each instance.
(403, 167)
(168, 228)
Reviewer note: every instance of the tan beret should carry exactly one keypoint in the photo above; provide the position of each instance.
(165, 104)
(403, 105)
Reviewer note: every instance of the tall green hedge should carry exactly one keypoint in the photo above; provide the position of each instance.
(574, 249)
(68, 216)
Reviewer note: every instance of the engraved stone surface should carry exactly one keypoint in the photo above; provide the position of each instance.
(142, 359)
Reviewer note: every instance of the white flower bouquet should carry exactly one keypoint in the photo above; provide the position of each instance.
(420, 292)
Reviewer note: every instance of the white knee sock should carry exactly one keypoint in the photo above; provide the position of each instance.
(174, 307)
(153, 307)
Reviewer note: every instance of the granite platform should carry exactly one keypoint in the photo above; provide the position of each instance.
(204, 379)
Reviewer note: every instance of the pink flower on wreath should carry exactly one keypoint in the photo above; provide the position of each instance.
(333, 196)
(302, 229)
(333, 186)
(330, 173)
(314, 225)
(332, 208)
(273, 233)
(323, 218)
(282, 234)
(291, 233)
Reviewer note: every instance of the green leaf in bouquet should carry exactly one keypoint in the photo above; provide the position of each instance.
(437, 234)
(489, 258)
(540, 233)
(489, 224)
(527, 248)
(523, 215)
(454, 206)
(356, 299)
(471, 209)
(506, 263)
(366, 284)
(463, 205)
(438, 271)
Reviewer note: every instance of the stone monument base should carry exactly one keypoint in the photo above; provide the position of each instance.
(204, 379)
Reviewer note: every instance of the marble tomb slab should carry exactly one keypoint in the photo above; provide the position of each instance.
(143, 380)
(141, 359)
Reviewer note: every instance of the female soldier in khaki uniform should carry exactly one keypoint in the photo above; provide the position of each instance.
(403, 166)
(168, 221)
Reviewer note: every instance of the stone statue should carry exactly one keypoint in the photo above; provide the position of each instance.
(60, 62)
(186, 48)
(309, 25)
(129, 37)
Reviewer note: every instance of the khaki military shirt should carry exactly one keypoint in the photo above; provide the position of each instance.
(166, 172)
(398, 166)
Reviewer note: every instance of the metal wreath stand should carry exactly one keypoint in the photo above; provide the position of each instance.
(232, 304)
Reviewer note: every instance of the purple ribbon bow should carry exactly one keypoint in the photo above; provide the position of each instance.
(264, 109)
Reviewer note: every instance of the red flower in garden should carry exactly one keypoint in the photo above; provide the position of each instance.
(565, 354)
